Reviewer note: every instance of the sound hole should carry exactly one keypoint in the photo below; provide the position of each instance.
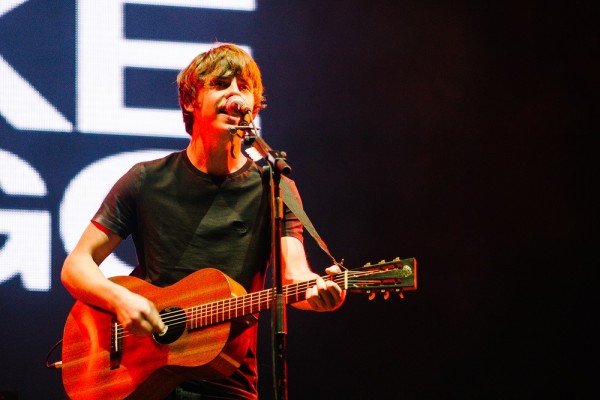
(175, 320)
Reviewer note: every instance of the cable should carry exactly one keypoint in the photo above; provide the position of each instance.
(57, 364)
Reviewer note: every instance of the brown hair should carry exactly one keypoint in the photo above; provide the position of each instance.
(222, 60)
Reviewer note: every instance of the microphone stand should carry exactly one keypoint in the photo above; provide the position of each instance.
(277, 161)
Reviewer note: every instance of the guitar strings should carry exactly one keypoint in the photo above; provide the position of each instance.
(212, 311)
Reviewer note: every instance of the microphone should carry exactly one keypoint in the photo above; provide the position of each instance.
(235, 105)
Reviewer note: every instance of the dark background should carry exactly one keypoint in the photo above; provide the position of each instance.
(459, 133)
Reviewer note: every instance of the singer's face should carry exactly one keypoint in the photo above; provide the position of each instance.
(209, 112)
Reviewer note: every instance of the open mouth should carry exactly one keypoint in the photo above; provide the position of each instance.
(230, 119)
(223, 110)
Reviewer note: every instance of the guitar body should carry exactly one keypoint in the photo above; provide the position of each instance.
(144, 368)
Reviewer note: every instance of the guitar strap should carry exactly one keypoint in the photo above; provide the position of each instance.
(290, 200)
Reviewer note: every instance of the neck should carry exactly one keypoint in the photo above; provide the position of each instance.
(214, 156)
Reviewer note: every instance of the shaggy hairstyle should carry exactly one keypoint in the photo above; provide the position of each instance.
(222, 60)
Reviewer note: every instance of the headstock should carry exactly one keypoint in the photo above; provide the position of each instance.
(384, 277)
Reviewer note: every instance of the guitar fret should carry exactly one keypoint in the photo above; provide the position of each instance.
(228, 309)
(287, 293)
(219, 316)
(214, 316)
(220, 312)
(297, 292)
(260, 301)
(216, 312)
(199, 314)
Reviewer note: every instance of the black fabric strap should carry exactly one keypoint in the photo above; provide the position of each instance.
(290, 200)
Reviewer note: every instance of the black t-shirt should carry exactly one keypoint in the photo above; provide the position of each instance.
(182, 220)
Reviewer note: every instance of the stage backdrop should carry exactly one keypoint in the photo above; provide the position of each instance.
(453, 133)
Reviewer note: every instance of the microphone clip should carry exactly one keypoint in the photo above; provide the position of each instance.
(249, 133)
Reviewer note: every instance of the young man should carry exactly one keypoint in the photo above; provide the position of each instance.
(206, 206)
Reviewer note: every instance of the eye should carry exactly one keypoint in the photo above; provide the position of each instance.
(244, 86)
(220, 83)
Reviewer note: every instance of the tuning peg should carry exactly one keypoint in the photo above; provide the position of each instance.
(401, 295)
(372, 295)
(386, 295)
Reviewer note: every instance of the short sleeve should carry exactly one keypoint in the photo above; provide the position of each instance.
(118, 209)
(291, 224)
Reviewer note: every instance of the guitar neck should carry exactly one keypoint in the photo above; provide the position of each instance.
(252, 303)
(396, 275)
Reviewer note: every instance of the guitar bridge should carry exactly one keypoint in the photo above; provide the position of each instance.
(116, 345)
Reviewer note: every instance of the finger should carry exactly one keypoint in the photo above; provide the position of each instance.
(334, 291)
(313, 298)
(157, 325)
(333, 296)
(324, 299)
(156, 322)
(146, 327)
(331, 285)
(139, 328)
(333, 270)
(153, 318)
(320, 284)
(330, 295)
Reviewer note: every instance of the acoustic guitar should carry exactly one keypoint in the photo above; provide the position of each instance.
(206, 315)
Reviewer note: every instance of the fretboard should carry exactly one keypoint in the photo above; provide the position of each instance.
(251, 303)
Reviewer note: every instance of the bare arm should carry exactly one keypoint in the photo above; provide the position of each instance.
(82, 277)
(326, 295)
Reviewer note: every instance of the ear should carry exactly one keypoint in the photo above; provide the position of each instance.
(189, 108)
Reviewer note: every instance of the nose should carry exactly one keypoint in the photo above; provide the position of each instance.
(233, 90)
(233, 86)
